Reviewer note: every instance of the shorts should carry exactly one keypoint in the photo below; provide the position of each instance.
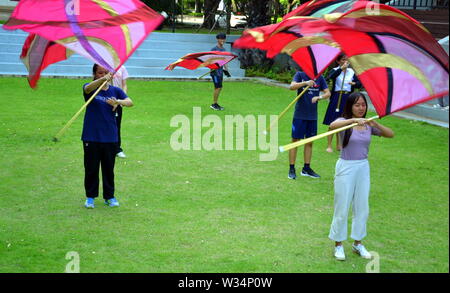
(303, 128)
(217, 80)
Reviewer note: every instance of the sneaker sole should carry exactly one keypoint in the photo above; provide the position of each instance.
(214, 108)
(89, 207)
(339, 258)
(291, 178)
(307, 175)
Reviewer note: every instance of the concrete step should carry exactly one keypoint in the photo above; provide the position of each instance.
(149, 60)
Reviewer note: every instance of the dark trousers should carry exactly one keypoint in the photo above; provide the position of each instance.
(119, 122)
(98, 154)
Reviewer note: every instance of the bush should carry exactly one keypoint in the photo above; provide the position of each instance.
(270, 72)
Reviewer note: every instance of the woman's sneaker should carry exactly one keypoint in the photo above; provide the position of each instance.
(339, 252)
(89, 203)
(112, 202)
(361, 250)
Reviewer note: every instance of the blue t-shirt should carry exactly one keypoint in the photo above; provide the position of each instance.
(304, 108)
(99, 119)
(218, 71)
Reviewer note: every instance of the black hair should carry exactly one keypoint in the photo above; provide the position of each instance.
(221, 36)
(94, 69)
(340, 56)
(348, 113)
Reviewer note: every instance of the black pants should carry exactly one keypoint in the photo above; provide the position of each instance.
(119, 122)
(96, 154)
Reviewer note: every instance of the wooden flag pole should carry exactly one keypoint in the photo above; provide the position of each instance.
(325, 134)
(340, 92)
(206, 73)
(285, 110)
(61, 132)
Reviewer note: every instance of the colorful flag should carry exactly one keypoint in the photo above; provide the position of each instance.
(38, 53)
(105, 31)
(311, 52)
(212, 60)
(398, 61)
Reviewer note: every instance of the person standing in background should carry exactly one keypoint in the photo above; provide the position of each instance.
(120, 81)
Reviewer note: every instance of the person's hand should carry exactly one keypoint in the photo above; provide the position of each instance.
(227, 73)
(113, 102)
(108, 76)
(310, 83)
(315, 99)
(360, 121)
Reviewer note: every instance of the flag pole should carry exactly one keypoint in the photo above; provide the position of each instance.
(325, 134)
(285, 110)
(206, 73)
(340, 92)
(69, 123)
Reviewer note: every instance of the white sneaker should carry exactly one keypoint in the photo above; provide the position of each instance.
(339, 252)
(361, 250)
(121, 155)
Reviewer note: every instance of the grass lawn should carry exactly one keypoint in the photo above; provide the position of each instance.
(205, 211)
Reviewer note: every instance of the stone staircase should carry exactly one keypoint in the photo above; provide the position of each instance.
(149, 60)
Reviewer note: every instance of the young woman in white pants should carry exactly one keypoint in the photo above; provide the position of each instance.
(352, 177)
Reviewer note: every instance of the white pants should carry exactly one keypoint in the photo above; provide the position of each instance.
(351, 187)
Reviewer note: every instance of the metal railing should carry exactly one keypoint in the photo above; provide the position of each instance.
(415, 4)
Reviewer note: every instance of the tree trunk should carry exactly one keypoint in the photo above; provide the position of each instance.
(198, 6)
(210, 9)
(228, 9)
(258, 14)
(276, 10)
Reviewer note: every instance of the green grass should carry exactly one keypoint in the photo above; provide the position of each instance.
(205, 211)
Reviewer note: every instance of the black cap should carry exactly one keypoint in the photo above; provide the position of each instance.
(221, 36)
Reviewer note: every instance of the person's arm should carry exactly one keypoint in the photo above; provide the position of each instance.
(326, 95)
(384, 131)
(334, 73)
(92, 86)
(127, 102)
(296, 85)
(344, 122)
(124, 85)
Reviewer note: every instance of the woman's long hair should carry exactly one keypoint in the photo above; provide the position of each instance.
(348, 113)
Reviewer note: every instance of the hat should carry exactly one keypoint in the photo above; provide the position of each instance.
(221, 36)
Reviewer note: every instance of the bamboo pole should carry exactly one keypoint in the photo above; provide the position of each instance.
(69, 123)
(285, 110)
(325, 134)
(206, 73)
(340, 92)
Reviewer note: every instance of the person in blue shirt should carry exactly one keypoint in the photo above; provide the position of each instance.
(100, 136)
(217, 75)
(304, 123)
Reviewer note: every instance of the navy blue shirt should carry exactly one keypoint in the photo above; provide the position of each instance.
(99, 119)
(304, 108)
(218, 71)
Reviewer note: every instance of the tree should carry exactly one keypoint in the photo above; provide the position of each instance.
(210, 9)
(198, 6)
(258, 14)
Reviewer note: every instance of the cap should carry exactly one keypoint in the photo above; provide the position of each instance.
(221, 36)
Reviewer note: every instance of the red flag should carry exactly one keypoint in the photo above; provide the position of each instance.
(105, 31)
(397, 60)
(212, 60)
(38, 53)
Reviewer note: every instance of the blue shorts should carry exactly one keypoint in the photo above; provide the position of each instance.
(217, 80)
(303, 128)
